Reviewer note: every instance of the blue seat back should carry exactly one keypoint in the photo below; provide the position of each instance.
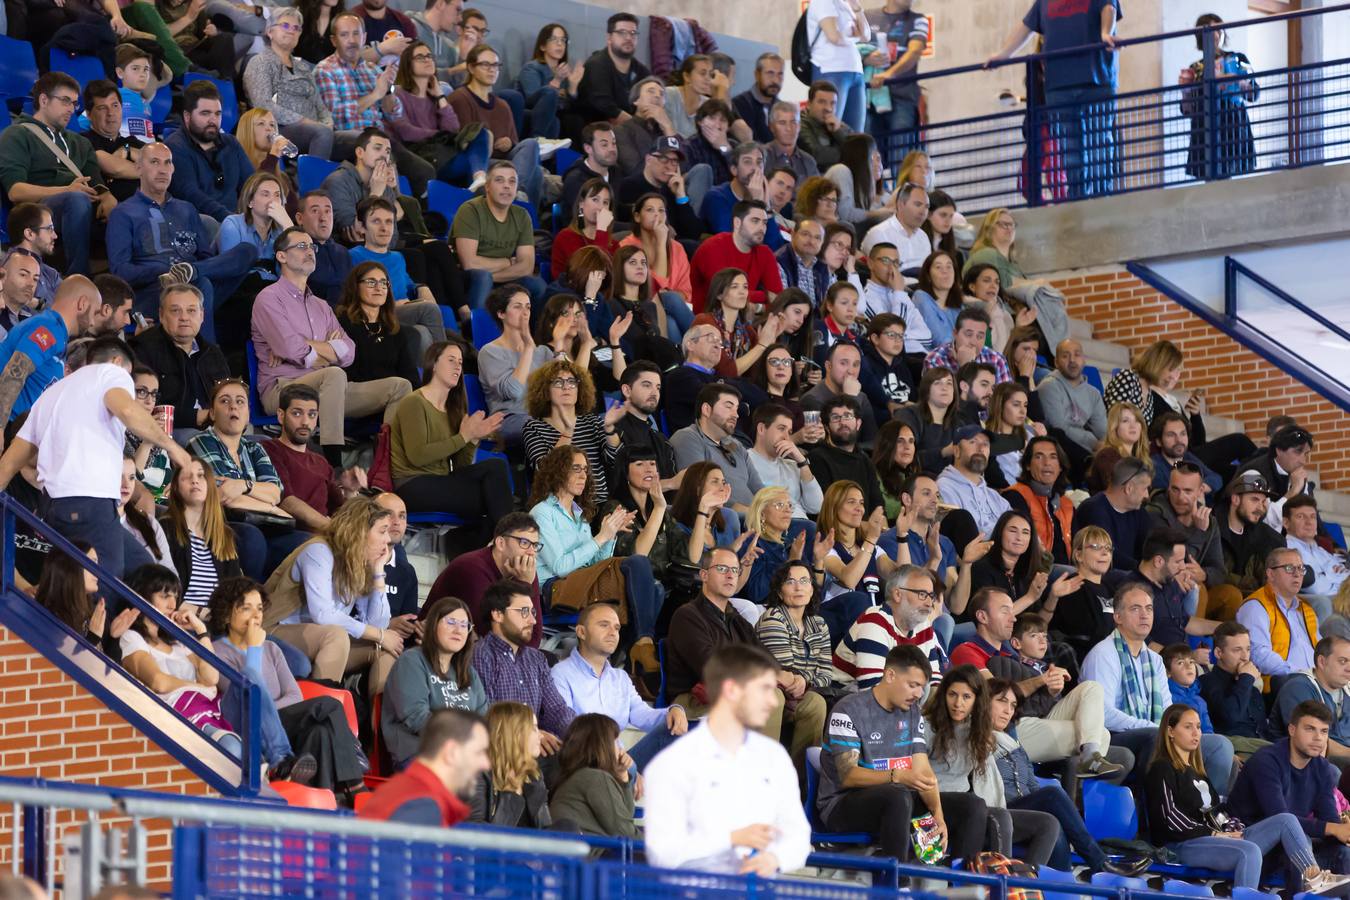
(473, 388)
(529, 208)
(1109, 811)
(20, 69)
(83, 69)
(1045, 873)
(1177, 886)
(1094, 377)
(1107, 879)
(229, 103)
(557, 221)
(564, 159)
(817, 827)
(256, 415)
(485, 328)
(446, 199)
(312, 170)
(404, 186)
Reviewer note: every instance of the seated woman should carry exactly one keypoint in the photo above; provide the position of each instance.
(1021, 351)
(857, 175)
(595, 789)
(773, 379)
(329, 599)
(1126, 435)
(1083, 618)
(261, 219)
(896, 458)
(728, 309)
(267, 148)
(649, 332)
(182, 679)
(1010, 427)
(573, 562)
(70, 592)
(198, 38)
(589, 224)
(655, 534)
(818, 199)
(939, 228)
(1186, 815)
(667, 260)
(367, 314)
(792, 630)
(417, 299)
(149, 538)
(549, 83)
(840, 254)
(781, 539)
(440, 676)
(429, 126)
(512, 793)
(293, 729)
(1017, 566)
(932, 417)
(839, 320)
(854, 566)
(559, 400)
(961, 746)
(796, 332)
(1022, 790)
(151, 462)
(432, 442)
(700, 508)
(278, 81)
(564, 326)
(505, 364)
(201, 543)
(938, 296)
(980, 285)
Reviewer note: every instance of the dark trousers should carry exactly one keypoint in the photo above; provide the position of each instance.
(656, 740)
(1225, 454)
(1138, 741)
(94, 521)
(1073, 831)
(887, 809)
(480, 491)
(1083, 121)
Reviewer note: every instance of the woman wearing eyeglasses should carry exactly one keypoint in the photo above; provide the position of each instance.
(439, 677)
(728, 308)
(1084, 618)
(557, 399)
(429, 126)
(773, 379)
(277, 80)
(793, 631)
(770, 517)
(366, 313)
(548, 82)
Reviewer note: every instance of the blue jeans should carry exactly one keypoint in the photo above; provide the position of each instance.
(1217, 752)
(474, 158)
(896, 132)
(644, 595)
(310, 137)
(679, 317)
(1083, 123)
(1243, 856)
(656, 740)
(1073, 830)
(94, 521)
(541, 109)
(73, 216)
(516, 100)
(851, 103)
(276, 746)
(480, 284)
(524, 157)
(251, 547)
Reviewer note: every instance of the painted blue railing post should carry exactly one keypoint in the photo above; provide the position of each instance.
(35, 842)
(1031, 189)
(1230, 288)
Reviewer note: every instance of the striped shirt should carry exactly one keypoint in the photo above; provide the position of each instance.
(861, 655)
(805, 652)
(202, 581)
(588, 436)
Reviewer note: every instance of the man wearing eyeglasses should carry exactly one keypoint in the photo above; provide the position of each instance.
(512, 554)
(32, 232)
(843, 366)
(414, 304)
(904, 229)
(186, 363)
(32, 172)
(711, 439)
(611, 72)
(1282, 624)
(886, 293)
(841, 459)
(702, 346)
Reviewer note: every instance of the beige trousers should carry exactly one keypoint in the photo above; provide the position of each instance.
(335, 653)
(340, 399)
(1077, 719)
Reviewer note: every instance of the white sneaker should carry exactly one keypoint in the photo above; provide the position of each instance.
(1324, 882)
(478, 181)
(549, 146)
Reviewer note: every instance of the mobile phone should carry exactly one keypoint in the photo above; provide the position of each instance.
(139, 319)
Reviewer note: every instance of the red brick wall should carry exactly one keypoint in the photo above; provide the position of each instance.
(51, 727)
(1238, 384)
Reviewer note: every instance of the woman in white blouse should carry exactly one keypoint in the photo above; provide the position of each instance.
(835, 28)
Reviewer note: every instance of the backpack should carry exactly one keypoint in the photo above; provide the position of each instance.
(993, 863)
(801, 50)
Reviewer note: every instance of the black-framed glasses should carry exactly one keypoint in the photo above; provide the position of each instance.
(563, 384)
(926, 596)
(627, 32)
(144, 393)
(525, 543)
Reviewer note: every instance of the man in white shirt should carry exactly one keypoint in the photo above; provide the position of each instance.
(886, 293)
(905, 228)
(1300, 533)
(76, 430)
(781, 463)
(724, 798)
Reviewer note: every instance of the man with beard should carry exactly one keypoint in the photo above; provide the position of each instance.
(1182, 506)
(1170, 434)
(513, 671)
(601, 160)
(34, 351)
(113, 314)
(31, 172)
(1246, 537)
(32, 231)
(755, 105)
(641, 390)
(400, 578)
(209, 166)
(18, 289)
(975, 385)
(904, 618)
(430, 792)
(962, 482)
(711, 439)
(840, 459)
(741, 248)
(683, 193)
(843, 365)
(747, 183)
(611, 72)
(311, 492)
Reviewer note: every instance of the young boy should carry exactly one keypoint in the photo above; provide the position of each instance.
(1181, 674)
(1031, 641)
(134, 74)
(1232, 690)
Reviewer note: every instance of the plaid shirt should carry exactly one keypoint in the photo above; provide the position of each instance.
(342, 87)
(946, 356)
(254, 464)
(521, 676)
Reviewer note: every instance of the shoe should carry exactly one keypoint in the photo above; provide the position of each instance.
(1097, 766)
(1128, 866)
(179, 273)
(550, 146)
(297, 769)
(643, 656)
(1321, 881)
(478, 181)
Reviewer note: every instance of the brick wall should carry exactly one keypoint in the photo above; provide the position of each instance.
(51, 727)
(1239, 384)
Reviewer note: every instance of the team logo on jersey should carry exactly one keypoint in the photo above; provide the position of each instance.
(43, 338)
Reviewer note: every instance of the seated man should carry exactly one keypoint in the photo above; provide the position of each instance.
(1134, 686)
(1072, 406)
(783, 151)
(967, 345)
(712, 439)
(186, 363)
(371, 173)
(332, 261)
(1247, 539)
(1170, 439)
(311, 491)
(1326, 571)
(904, 229)
(400, 578)
(32, 231)
(840, 458)
(1164, 568)
(702, 346)
(799, 261)
(1117, 510)
(210, 167)
(599, 159)
(747, 183)
(1293, 776)
(590, 684)
(843, 365)
(1181, 506)
(1282, 624)
(452, 754)
(1324, 682)
(1232, 690)
(781, 463)
(31, 171)
(648, 122)
(886, 293)
(494, 240)
(660, 174)
(512, 555)
(116, 152)
(741, 248)
(962, 481)
(904, 619)
(156, 240)
(755, 105)
(512, 670)
(822, 134)
(17, 300)
(298, 339)
(874, 771)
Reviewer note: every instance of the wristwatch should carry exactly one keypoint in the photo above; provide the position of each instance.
(248, 486)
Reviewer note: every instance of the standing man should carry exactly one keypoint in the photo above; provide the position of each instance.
(494, 240)
(33, 232)
(782, 150)
(209, 166)
(437, 27)
(610, 73)
(906, 36)
(187, 364)
(724, 798)
(755, 105)
(430, 792)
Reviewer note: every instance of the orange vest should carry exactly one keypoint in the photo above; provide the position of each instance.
(1040, 516)
(1279, 626)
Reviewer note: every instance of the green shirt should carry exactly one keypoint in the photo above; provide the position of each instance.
(25, 159)
(421, 441)
(496, 240)
(1008, 271)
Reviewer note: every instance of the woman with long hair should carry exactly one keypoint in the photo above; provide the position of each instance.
(145, 530)
(153, 469)
(648, 331)
(961, 747)
(839, 320)
(773, 379)
(1226, 147)
(276, 80)
(1010, 428)
(512, 792)
(690, 86)
(667, 260)
(329, 597)
(201, 543)
(433, 439)
(980, 285)
(588, 225)
(562, 326)
(314, 45)
(558, 399)
(260, 220)
(857, 175)
(589, 276)
(430, 127)
(839, 253)
(505, 364)
(367, 314)
(915, 168)
(655, 533)
(1186, 815)
(293, 728)
(932, 417)
(1021, 351)
(1083, 617)
(595, 788)
(70, 592)
(573, 560)
(939, 226)
(700, 508)
(797, 331)
(266, 147)
(1016, 565)
(729, 309)
(896, 457)
(818, 199)
(440, 676)
(1126, 435)
(549, 82)
(846, 549)
(938, 295)
(995, 244)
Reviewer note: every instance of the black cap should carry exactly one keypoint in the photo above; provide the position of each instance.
(667, 143)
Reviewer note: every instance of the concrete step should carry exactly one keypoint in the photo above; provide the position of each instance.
(1106, 355)
(1080, 329)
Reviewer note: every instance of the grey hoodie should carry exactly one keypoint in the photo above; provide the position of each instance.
(1077, 409)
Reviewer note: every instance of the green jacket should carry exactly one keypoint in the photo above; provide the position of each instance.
(25, 159)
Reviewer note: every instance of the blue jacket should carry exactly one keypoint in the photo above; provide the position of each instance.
(194, 174)
(1238, 708)
(717, 206)
(1268, 785)
(1162, 473)
(791, 265)
(1191, 697)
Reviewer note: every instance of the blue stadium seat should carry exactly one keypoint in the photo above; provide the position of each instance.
(556, 222)
(818, 834)
(20, 69)
(1336, 533)
(1107, 879)
(1176, 886)
(256, 415)
(1045, 873)
(1109, 811)
(5, 118)
(161, 105)
(311, 171)
(485, 328)
(404, 186)
(1246, 893)
(83, 69)
(564, 158)
(229, 103)
(529, 208)
(446, 199)
(474, 389)
(1094, 377)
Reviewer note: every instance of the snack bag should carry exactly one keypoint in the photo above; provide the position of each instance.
(927, 840)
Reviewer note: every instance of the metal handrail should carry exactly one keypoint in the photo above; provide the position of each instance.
(1230, 296)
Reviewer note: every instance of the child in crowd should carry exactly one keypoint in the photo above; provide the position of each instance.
(1031, 642)
(134, 74)
(1181, 681)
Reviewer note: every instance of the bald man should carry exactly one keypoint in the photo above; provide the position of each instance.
(1073, 408)
(34, 352)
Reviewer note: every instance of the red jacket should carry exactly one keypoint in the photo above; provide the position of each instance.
(417, 797)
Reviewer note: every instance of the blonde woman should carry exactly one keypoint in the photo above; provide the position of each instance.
(1084, 617)
(329, 598)
(260, 138)
(770, 517)
(1126, 435)
(261, 219)
(512, 793)
(916, 168)
(995, 243)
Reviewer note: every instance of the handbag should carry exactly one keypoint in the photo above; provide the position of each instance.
(381, 475)
(602, 582)
(442, 147)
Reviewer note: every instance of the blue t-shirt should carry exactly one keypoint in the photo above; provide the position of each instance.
(400, 285)
(1073, 23)
(42, 338)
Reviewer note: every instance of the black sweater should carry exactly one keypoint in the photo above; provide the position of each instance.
(380, 354)
(1175, 803)
(1235, 704)
(184, 381)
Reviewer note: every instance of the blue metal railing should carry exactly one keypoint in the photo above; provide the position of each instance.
(116, 688)
(1173, 134)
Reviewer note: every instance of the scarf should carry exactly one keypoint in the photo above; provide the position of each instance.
(1144, 701)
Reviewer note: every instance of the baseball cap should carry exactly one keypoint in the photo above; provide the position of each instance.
(667, 143)
(1249, 482)
(966, 432)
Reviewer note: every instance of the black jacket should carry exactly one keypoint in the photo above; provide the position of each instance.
(1176, 810)
(830, 464)
(181, 554)
(1235, 704)
(603, 92)
(679, 392)
(681, 216)
(528, 809)
(184, 381)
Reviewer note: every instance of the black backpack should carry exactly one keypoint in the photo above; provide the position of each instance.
(801, 51)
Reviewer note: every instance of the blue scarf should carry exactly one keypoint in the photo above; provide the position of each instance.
(1145, 701)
